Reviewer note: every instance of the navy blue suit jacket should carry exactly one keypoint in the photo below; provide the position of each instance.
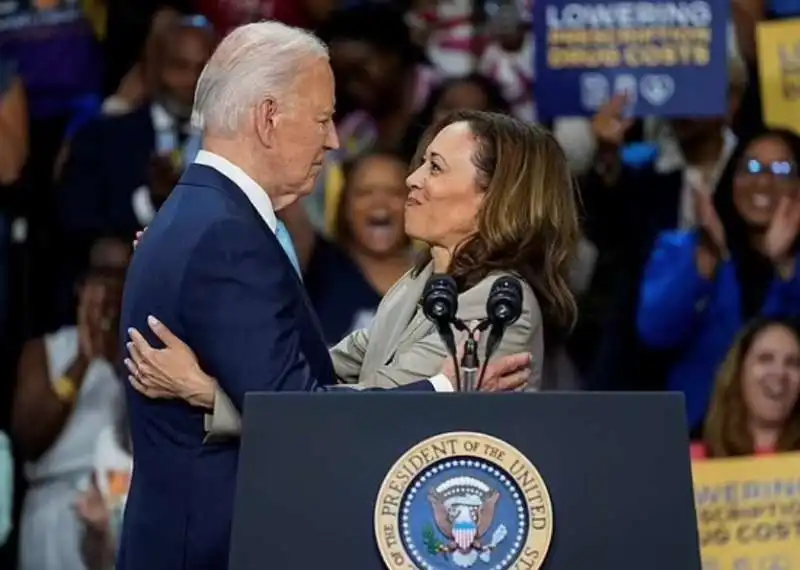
(214, 273)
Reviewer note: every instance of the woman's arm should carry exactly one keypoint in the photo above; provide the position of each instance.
(97, 545)
(424, 357)
(673, 293)
(746, 15)
(39, 413)
(348, 356)
(97, 549)
(13, 132)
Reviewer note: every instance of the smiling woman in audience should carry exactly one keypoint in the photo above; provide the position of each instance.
(701, 285)
(346, 280)
(491, 196)
(755, 407)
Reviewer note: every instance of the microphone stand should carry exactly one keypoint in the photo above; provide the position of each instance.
(491, 345)
(467, 372)
(470, 364)
(446, 334)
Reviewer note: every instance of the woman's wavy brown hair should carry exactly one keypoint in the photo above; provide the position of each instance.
(528, 220)
(725, 433)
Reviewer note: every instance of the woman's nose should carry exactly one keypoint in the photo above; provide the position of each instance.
(765, 182)
(414, 180)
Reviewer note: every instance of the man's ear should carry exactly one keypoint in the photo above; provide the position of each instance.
(265, 118)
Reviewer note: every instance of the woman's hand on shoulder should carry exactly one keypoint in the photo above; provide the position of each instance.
(138, 237)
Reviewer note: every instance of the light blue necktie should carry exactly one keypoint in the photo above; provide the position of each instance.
(191, 147)
(288, 246)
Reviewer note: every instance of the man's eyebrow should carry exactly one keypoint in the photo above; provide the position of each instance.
(434, 154)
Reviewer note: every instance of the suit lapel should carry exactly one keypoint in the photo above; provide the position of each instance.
(417, 325)
(202, 175)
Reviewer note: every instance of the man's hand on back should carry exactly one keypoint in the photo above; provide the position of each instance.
(505, 374)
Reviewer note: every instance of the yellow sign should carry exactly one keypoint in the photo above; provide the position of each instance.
(778, 45)
(748, 512)
(463, 500)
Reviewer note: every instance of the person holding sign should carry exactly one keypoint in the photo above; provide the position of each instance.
(635, 191)
(701, 285)
(754, 406)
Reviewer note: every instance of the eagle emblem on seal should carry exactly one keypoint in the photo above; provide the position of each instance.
(464, 509)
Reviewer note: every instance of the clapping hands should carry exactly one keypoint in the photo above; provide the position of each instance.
(713, 243)
(97, 322)
(782, 231)
(778, 239)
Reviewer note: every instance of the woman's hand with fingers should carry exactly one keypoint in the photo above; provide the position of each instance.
(92, 510)
(782, 231)
(713, 243)
(610, 124)
(90, 321)
(169, 372)
(139, 236)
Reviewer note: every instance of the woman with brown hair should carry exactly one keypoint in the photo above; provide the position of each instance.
(755, 407)
(491, 196)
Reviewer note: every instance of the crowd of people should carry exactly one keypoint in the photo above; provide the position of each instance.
(678, 271)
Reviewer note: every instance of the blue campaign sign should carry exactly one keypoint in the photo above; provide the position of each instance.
(669, 57)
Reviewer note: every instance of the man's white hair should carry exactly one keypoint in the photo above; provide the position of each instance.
(253, 62)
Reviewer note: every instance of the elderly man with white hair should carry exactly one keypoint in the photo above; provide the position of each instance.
(215, 267)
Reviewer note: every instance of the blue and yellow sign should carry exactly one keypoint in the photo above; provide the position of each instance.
(748, 512)
(463, 500)
(779, 72)
(668, 57)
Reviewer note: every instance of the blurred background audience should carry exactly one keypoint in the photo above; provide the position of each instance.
(686, 276)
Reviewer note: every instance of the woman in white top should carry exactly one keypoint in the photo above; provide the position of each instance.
(65, 395)
(102, 505)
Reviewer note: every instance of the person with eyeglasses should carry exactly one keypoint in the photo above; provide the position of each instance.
(701, 285)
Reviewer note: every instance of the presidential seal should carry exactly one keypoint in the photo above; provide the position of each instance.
(463, 500)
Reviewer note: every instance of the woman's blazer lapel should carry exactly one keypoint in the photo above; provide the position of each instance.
(395, 322)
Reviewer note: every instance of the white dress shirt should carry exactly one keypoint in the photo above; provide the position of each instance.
(263, 205)
(257, 196)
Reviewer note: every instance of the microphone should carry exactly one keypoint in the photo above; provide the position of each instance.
(503, 308)
(440, 300)
(440, 305)
(504, 304)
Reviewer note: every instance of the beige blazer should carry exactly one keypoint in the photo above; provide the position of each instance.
(402, 346)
